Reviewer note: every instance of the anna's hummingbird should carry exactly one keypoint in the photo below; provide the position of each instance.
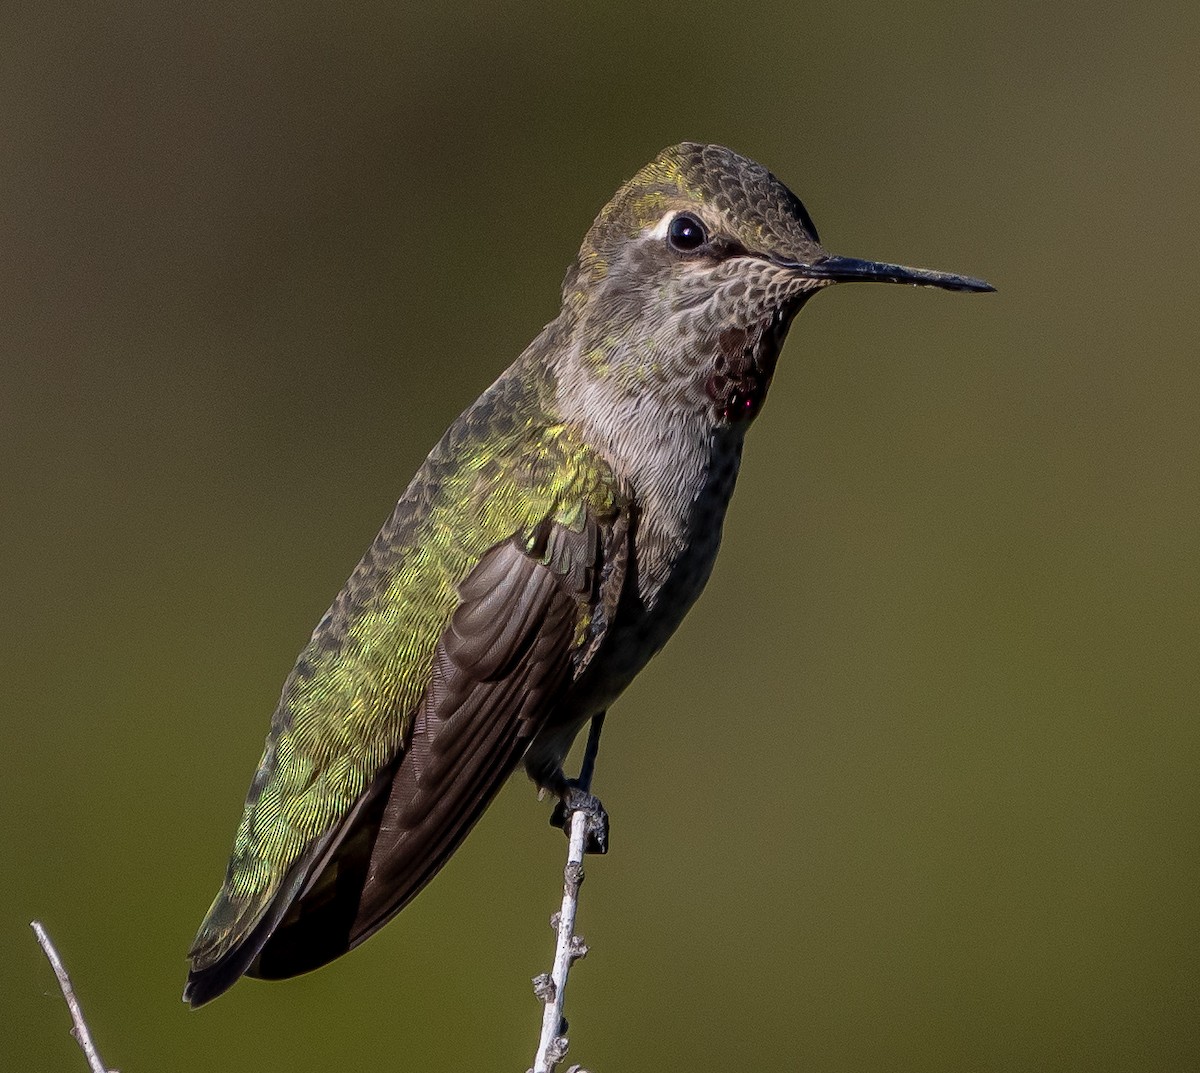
(545, 550)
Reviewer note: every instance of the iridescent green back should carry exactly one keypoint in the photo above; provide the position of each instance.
(345, 711)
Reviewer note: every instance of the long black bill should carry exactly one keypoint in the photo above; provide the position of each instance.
(852, 270)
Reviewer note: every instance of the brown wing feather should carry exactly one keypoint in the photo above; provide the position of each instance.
(498, 667)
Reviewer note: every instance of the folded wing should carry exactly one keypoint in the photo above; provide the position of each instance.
(529, 614)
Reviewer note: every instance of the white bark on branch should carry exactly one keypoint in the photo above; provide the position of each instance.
(79, 1028)
(551, 988)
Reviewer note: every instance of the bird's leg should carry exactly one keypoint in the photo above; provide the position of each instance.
(574, 795)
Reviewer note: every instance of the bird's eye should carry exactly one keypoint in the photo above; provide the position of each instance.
(686, 233)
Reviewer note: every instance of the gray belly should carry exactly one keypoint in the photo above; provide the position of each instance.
(673, 559)
(676, 537)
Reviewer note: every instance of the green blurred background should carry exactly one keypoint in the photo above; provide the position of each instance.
(914, 788)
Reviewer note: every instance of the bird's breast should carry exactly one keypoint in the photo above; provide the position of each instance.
(679, 512)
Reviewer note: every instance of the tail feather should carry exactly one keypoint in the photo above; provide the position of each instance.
(232, 936)
(220, 956)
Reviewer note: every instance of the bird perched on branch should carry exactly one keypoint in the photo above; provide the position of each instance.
(545, 550)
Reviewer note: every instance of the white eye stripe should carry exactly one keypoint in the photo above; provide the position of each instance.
(659, 230)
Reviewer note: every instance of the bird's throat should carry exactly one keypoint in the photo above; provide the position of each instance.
(743, 364)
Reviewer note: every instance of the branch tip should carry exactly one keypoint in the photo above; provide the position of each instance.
(79, 1028)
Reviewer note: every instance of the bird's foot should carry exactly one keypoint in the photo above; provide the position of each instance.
(573, 799)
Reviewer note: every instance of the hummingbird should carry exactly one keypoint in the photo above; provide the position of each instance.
(546, 549)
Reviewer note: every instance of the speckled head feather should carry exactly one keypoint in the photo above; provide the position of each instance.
(649, 314)
(741, 198)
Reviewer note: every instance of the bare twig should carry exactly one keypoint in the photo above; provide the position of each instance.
(79, 1028)
(551, 988)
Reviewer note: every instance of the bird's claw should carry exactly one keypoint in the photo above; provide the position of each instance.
(574, 800)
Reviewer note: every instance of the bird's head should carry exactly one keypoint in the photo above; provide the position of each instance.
(688, 279)
(690, 276)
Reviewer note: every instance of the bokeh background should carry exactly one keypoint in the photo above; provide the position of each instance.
(914, 788)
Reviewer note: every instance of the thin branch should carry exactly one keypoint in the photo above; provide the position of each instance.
(79, 1028)
(552, 988)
